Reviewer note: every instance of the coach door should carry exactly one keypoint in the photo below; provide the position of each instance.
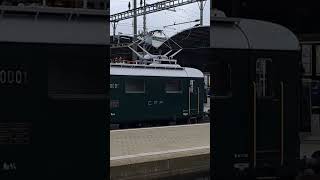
(267, 113)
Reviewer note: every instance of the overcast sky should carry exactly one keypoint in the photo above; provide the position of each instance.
(157, 20)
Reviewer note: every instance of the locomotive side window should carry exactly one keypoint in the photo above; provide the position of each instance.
(134, 86)
(263, 77)
(173, 86)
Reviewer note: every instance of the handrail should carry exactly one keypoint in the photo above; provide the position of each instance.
(198, 100)
(254, 125)
(145, 66)
(282, 123)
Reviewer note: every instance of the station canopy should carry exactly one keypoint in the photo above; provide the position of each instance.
(191, 38)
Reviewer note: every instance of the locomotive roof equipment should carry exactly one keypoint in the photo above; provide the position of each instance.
(149, 58)
(162, 70)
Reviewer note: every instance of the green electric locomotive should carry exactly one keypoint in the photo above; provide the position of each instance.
(155, 93)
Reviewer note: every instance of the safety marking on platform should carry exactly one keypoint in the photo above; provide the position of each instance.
(174, 126)
(158, 153)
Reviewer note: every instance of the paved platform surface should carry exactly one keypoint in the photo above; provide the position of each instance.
(159, 151)
(124, 143)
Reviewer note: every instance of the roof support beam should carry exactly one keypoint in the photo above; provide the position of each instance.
(150, 8)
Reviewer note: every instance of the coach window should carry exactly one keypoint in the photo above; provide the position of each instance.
(173, 86)
(307, 59)
(263, 77)
(134, 86)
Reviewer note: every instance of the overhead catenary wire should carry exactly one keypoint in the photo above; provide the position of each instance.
(175, 24)
(171, 16)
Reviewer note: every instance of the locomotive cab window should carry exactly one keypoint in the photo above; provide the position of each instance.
(134, 86)
(173, 86)
(263, 77)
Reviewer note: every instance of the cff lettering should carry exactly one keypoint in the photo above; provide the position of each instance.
(154, 102)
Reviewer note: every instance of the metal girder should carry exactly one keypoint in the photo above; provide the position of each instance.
(150, 8)
(119, 45)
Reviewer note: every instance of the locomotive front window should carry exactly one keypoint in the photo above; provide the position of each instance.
(134, 86)
(173, 86)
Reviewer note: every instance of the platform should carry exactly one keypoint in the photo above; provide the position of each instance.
(159, 151)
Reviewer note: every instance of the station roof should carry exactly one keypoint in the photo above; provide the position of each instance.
(121, 39)
(154, 41)
(194, 37)
(236, 33)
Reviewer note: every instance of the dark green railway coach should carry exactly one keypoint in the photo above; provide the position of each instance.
(155, 93)
(255, 119)
(53, 93)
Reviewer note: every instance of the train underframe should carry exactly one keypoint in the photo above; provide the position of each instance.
(163, 122)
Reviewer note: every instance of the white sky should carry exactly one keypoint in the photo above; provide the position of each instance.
(159, 19)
